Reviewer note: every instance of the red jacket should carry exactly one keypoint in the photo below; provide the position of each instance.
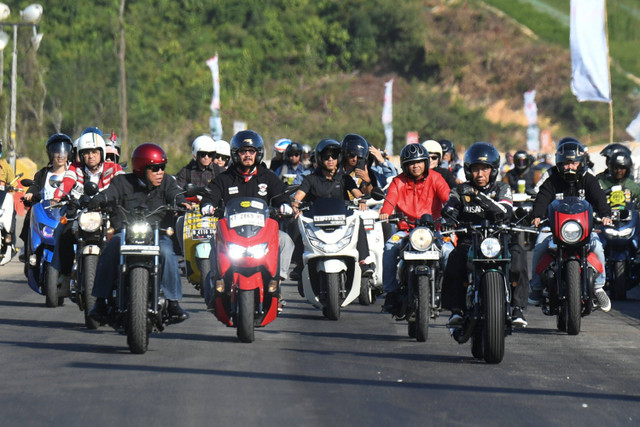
(415, 198)
(74, 176)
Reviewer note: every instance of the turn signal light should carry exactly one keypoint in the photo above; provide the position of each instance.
(220, 286)
(273, 286)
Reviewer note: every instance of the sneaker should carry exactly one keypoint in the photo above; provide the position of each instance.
(455, 321)
(23, 256)
(281, 304)
(517, 318)
(535, 297)
(603, 300)
(296, 274)
(391, 303)
(366, 269)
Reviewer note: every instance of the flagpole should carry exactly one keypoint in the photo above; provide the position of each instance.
(606, 33)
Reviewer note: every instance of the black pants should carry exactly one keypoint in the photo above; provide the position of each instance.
(455, 275)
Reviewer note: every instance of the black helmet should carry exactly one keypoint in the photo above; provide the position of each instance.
(91, 129)
(354, 144)
(59, 143)
(571, 150)
(521, 161)
(246, 138)
(412, 153)
(612, 149)
(621, 160)
(448, 147)
(327, 146)
(293, 149)
(482, 153)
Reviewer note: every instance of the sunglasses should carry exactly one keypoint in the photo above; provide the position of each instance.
(434, 157)
(351, 154)
(247, 150)
(293, 154)
(156, 168)
(331, 156)
(220, 156)
(210, 154)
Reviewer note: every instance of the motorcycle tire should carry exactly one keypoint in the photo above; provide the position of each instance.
(618, 285)
(89, 265)
(366, 296)
(332, 311)
(246, 315)
(476, 346)
(204, 267)
(137, 331)
(493, 330)
(573, 297)
(51, 278)
(422, 307)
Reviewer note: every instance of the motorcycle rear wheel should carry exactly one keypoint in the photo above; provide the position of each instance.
(494, 317)
(51, 283)
(89, 265)
(573, 297)
(246, 315)
(423, 307)
(204, 267)
(618, 283)
(332, 309)
(137, 330)
(366, 292)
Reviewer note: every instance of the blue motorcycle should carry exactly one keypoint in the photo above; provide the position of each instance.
(621, 242)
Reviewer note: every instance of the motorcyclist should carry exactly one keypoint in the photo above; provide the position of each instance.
(569, 177)
(114, 148)
(413, 193)
(355, 152)
(435, 160)
(620, 166)
(223, 153)
(201, 169)
(522, 170)
(450, 160)
(248, 177)
(292, 164)
(381, 166)
(277, 159)
(93, 167)
(610, 151)
(479, 198)
(147, 186)
(58, 150)
(7, 174)
(306, 154)
(328, 181)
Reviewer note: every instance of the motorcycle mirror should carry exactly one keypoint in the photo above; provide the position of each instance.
(54, 181)
(191, 190)
(426, 219)
(26, 182)
(377, 193)
(90, 188)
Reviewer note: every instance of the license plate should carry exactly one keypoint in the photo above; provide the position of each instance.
(368, 223)
(426, 255)
(202, 233)
(329, 220)
(139, 250)
(246, 218)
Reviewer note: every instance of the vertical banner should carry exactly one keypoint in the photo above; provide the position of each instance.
(215, 123)
(412, 138)
(531, 111)
(387, 117)
(634, 128)
(590, 80)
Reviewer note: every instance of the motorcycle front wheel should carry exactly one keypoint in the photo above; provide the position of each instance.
(51, 277)
(137, 330)
(204, 267)
(422, 306)
(246, 315)
(89, 265)
(573, 297)
(494, 317)
(618, 283)
(332, 308)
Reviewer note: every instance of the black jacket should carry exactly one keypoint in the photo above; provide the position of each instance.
(555, 184)
(494, 203)
(231, 184)
(129, 192)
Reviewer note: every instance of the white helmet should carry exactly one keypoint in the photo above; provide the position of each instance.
(223, 148)
(433, 147)
(203, 143)
(90, 141)
(281, 145)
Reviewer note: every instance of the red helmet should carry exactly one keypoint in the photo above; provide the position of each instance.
(145, 155)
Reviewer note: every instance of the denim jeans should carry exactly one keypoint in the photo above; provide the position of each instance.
(108, 270)
(390, 262)
(542, 246)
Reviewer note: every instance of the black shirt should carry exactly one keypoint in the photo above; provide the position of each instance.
(317, 186)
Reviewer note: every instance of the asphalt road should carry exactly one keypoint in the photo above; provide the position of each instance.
(305, 370)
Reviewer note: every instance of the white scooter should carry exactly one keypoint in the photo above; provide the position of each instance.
(331, 276)
(371, 286)
(7, 210)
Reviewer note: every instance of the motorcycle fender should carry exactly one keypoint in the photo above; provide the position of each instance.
(32, 282)
(203, 249)
(221, 313)
(545, 261)
(593, 260)
(271, 315)
(422, 270)
(248, 283)
(91, 250)
(332, 265)
(47, 255)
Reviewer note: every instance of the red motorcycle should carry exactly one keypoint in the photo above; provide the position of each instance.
(246, 289)
(568, 270)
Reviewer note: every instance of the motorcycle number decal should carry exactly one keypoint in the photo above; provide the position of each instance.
(245, 204)
(262, 189)
(257, 205)
(233, 190)
(246, 218)
(617, 198)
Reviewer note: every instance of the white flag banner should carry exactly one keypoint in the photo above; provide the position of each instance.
(387, 116)
(213, 64)
(590, 79)
(530, 107)
(634, 128)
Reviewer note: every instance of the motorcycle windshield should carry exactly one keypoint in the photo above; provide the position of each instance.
(569, 205)
(325, 207)
(246, 216)
(54, 213)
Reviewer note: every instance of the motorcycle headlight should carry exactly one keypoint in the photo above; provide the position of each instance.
(571, 232)
(89, 221)
(139, 230)
(421, 238)
(46, 231)
(258, 251)
(625, 233)
(237, 252)
(490, 247)
(330, 247)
